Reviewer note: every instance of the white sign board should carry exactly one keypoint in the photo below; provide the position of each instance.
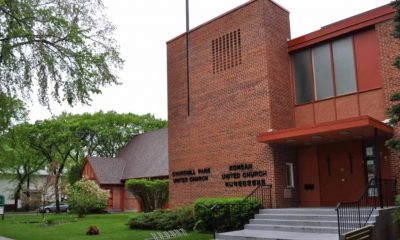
(1, 210)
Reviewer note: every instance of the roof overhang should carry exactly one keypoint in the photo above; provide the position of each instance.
(345, 26)
(362, 127)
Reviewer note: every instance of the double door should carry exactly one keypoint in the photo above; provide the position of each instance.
(342, 172)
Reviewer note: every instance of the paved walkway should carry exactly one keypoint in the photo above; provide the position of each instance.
(276, 235)
(4, 238)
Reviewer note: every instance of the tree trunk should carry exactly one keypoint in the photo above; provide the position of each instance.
(28, 195)
(57, 193)
(17, 195)
(16, 198)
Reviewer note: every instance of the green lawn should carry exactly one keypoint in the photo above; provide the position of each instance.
(68, 226)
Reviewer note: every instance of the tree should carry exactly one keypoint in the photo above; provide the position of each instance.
(18, 160)
(64, 47)
(153, 194)
(12, 111)
(66, 139)
(54, 139)
(105, 134)
(85, 196)
(394, 111)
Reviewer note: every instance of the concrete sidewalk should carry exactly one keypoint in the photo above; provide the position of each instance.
(275, 235)
(4, 238)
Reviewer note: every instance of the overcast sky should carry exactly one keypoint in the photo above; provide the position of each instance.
(143, 27)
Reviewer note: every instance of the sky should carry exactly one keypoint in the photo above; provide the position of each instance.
(144, 27)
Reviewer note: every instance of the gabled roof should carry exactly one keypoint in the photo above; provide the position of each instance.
(108, 170)
(146, 155)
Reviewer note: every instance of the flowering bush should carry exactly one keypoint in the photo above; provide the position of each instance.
(93, 230)
(86, 196)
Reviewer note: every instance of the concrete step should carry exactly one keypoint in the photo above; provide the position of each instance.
(273, 235)
(291, 224)
(310, 217)
(291, 228)
(316, 211)
(294, 222)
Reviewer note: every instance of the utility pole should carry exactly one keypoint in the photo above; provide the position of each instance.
(187, 59)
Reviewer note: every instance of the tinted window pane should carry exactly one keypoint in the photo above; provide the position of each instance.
(322, 67)
(302, 76)
(344, 66)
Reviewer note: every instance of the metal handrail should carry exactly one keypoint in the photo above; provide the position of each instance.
(259, 192)
(355, 215)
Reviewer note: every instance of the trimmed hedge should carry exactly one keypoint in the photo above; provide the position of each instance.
(165, 220)
(223, 214)
(153, 193)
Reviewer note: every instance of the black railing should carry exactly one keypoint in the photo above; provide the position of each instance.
(233, 216)
(355, 215)
(262, 194)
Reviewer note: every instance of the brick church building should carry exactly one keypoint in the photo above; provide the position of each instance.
(306, 115)
(145, 156)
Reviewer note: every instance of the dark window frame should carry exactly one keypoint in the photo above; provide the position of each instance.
(335, 95)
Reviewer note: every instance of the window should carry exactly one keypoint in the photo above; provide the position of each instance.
(289, 175)
(332, 71)
(343, 58)
(302, 76)
(322, 67)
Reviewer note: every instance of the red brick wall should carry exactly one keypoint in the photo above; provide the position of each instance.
(229, 108)
(88, 172)
(131, 202)
(389, 48)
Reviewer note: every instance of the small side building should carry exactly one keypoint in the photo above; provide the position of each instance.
(145, 156)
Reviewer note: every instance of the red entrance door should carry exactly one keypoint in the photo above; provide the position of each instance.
(341, 172)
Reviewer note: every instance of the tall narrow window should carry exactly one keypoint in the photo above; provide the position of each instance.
(302, 77)
(289, 175)
(322, 67)
(343, 57)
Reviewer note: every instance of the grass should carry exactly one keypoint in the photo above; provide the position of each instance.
(69, 227)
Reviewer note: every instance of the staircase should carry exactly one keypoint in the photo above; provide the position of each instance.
(290, 224)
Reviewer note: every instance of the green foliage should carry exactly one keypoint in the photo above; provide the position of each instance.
(65, 48)
(85, 196)
(396, 31)
(223, 214)
(396, 213)
(106, 133)
(17, 159)
(394, 110)
(165, 220)
(152, 193)
(393, 113)
(12, 111)
(112, 226)
(74, 174)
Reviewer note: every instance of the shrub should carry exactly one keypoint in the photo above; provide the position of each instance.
(182, 217)
(93, 230)
(50, 222)
(152, 193)
(396, 213)
(223, 214)
(85, 196)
